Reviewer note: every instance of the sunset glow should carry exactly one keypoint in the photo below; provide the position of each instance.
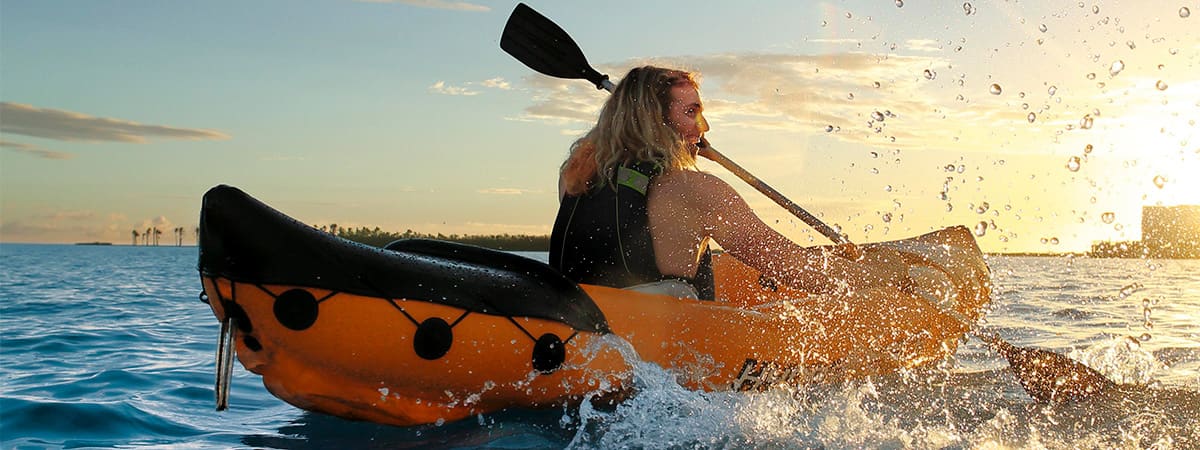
(1045, 125)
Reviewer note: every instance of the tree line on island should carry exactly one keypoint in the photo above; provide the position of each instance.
(152, 235)
(376, 237)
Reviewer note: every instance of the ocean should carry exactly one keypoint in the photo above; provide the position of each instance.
(110, 346)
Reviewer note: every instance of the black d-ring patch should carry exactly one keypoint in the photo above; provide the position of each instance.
(433, 338)
(548, 353)
(296, 309)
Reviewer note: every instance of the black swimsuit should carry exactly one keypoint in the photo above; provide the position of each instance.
(603, 236)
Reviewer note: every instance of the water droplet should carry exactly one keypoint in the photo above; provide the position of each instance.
(1086, 122)
(828, 128)
(1184, 12)
(981, 228)
(887, 217)
(877, 116)
(1108, 217)
(877, 84)
(929, 74)
(824, 23)
(850, 96)
(1116, 67)
(899, 3)
(968, 8)
(962, 168)
(995, 89)
(1091, 76)
(1161, 85)
(1160, 181)
(982, 208)
(949, 207)
(1031, 117)
(1096, 9)
(1042, 28)
(1053, 241)
(1131, 45)
(1128, 290)
(887, 188)
(1144, 337)
(1073, 164)
(1052, 90)
(1087, 149)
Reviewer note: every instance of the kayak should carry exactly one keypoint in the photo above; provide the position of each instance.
(427, 331)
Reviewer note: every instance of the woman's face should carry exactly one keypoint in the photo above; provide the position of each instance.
(686, 114)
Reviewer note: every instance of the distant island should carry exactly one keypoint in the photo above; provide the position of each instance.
(93, 243)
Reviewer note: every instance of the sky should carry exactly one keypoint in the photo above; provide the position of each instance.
(1043, 126)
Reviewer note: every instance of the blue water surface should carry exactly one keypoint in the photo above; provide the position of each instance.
(110, 346)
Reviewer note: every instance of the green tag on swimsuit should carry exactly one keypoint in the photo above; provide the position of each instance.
(633, 179)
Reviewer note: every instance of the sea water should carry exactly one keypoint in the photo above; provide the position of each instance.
(110, 346)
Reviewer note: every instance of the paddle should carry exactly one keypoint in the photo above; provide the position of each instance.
(543, 46)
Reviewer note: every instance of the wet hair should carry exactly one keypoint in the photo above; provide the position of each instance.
(632, 128)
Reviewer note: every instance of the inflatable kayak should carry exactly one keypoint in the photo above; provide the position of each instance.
(427, 331)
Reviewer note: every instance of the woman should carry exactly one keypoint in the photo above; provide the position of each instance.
(635, 211)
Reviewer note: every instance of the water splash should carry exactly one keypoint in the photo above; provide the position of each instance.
(1116, 67)
(1073, 164)
(1086, 122)
(1160, 181)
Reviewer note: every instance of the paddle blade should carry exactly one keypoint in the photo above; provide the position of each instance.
(1049, 377)
(543, 46)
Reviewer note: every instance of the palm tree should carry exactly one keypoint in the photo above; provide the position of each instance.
(157, 233)
(135, 236)
(146, 236)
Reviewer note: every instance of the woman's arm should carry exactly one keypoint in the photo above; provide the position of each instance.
(725, 217)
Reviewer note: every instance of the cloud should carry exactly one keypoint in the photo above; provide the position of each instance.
(436, 4)
(74, 226)
(507, 191)
(497, 83)
(807, 94)
(442, 88)
(922, 45)
(35, 150)
(63, 125)
(839, 41)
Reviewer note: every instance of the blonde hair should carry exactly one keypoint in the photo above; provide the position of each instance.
(632, 128)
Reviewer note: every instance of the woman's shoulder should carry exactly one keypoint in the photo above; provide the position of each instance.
(694, 186)
(689, 178)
